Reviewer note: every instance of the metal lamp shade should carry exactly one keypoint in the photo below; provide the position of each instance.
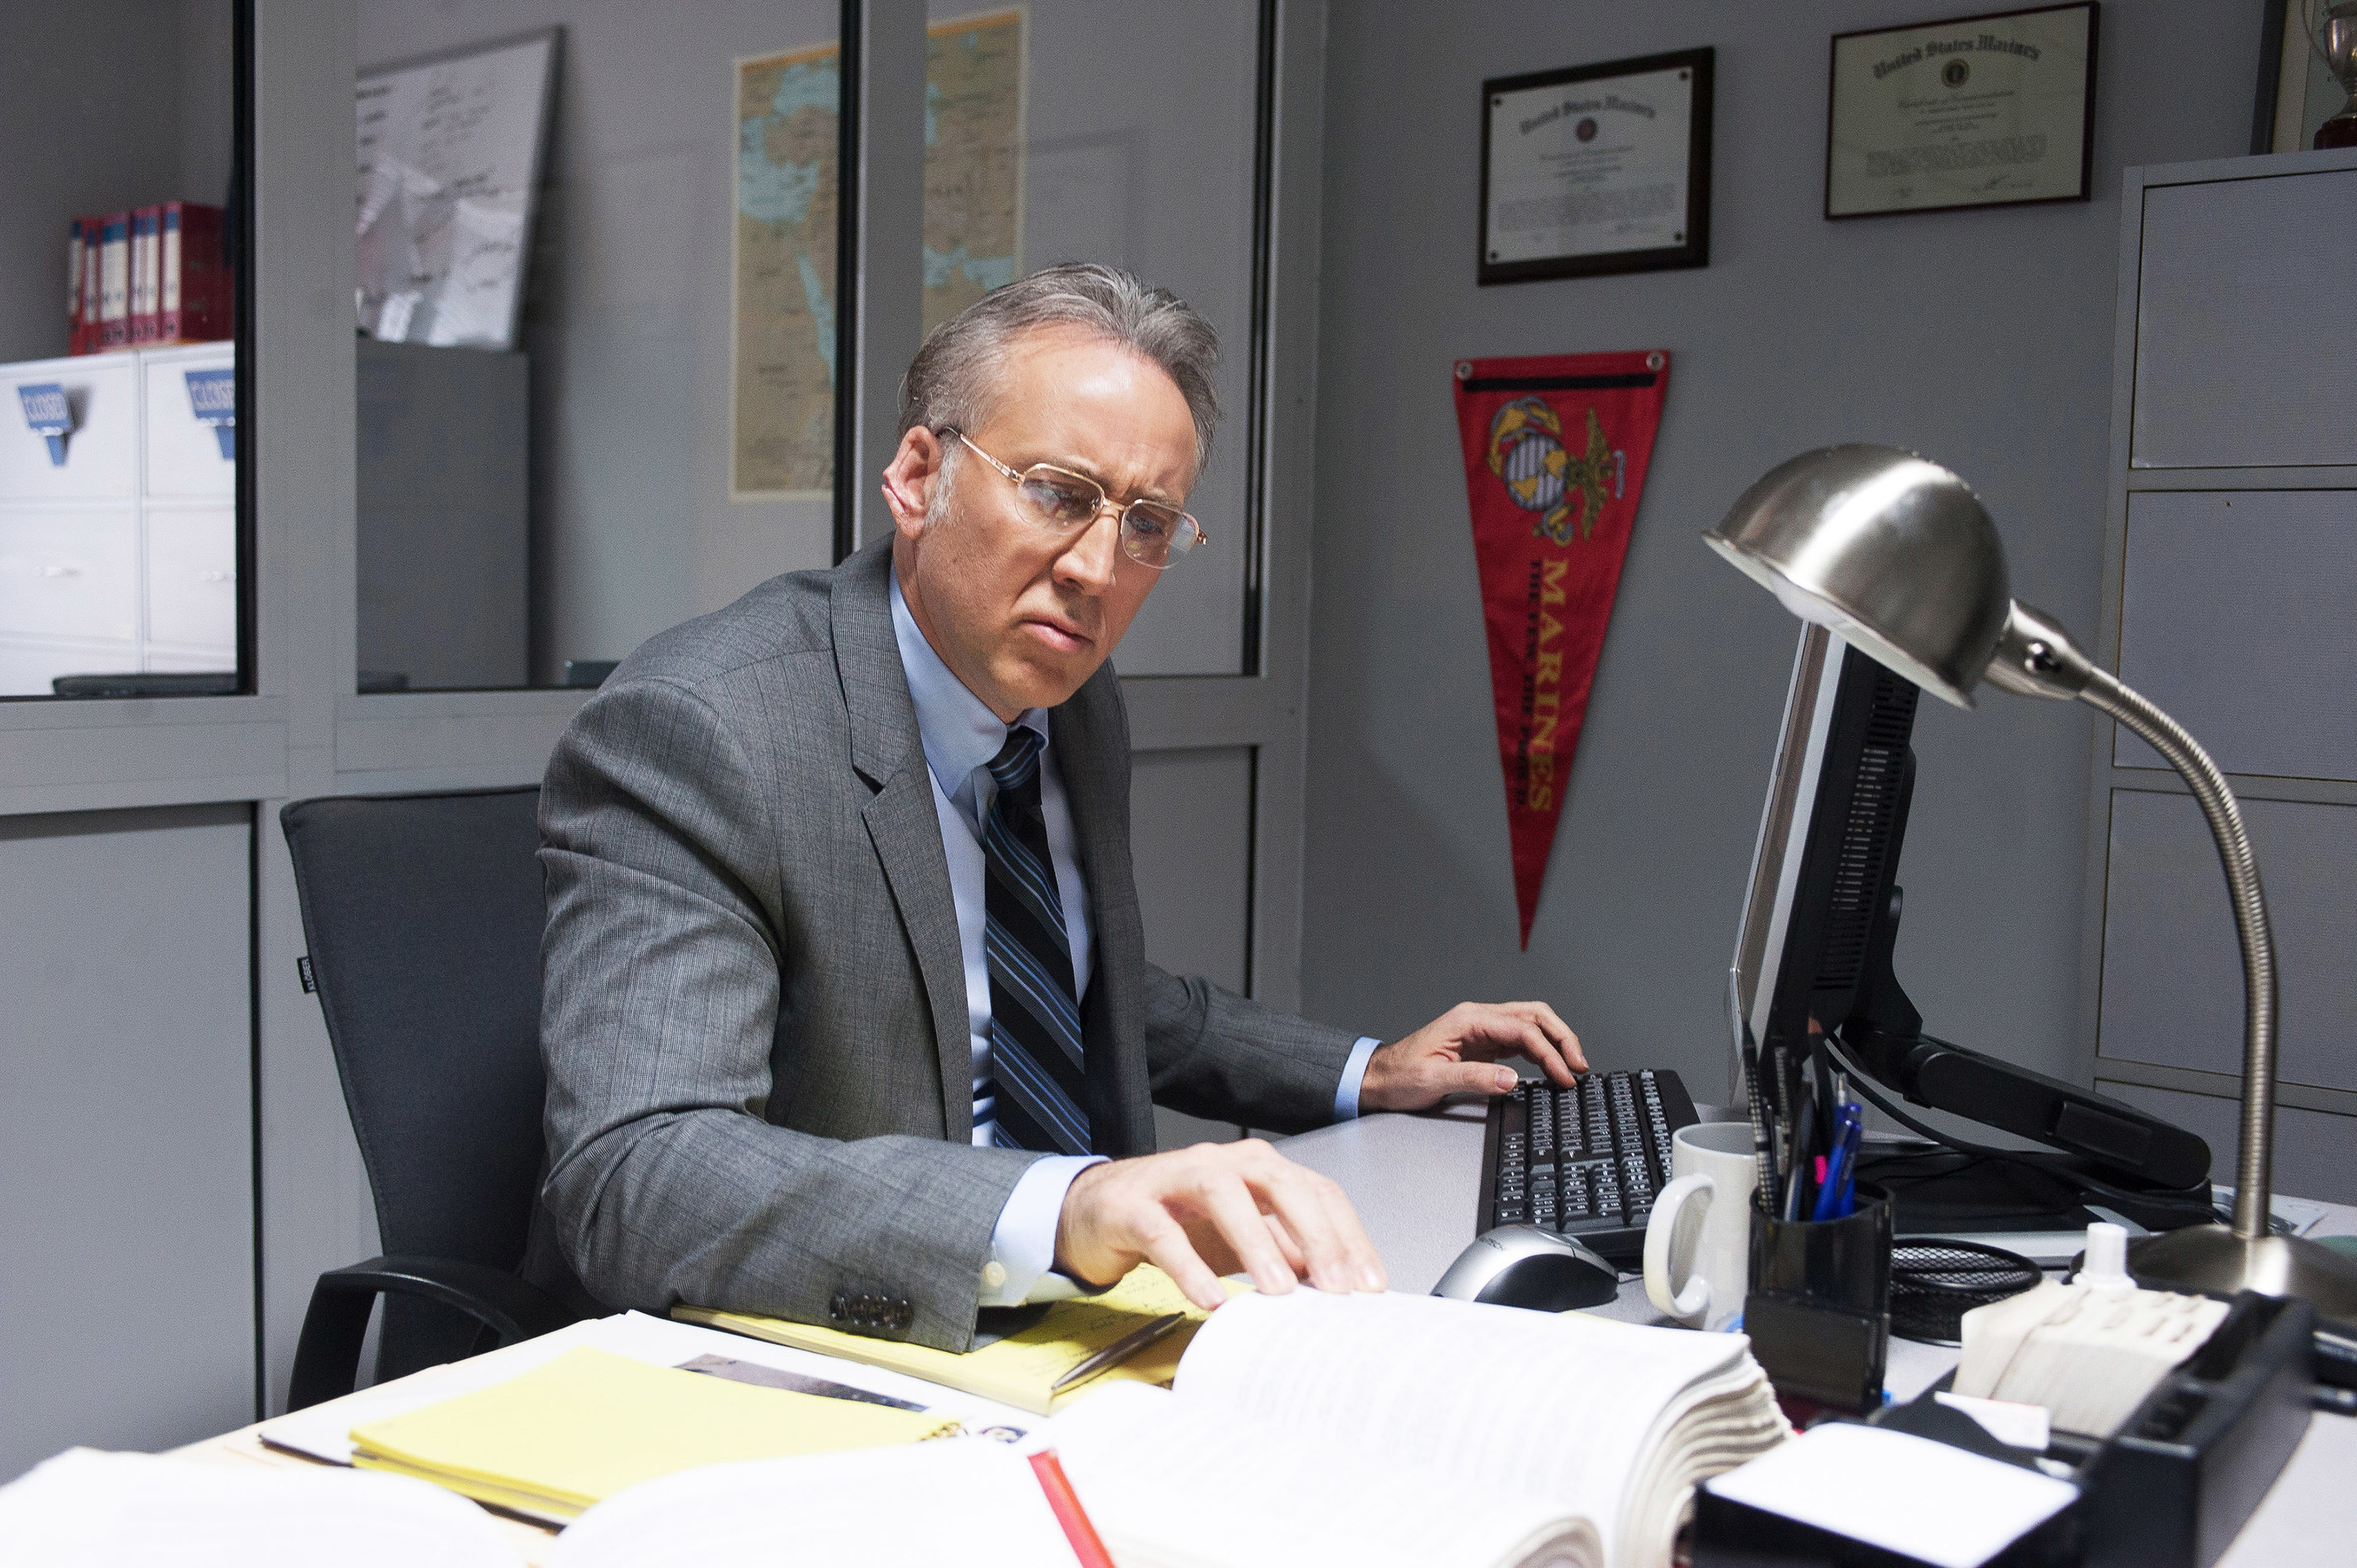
(1892, 552)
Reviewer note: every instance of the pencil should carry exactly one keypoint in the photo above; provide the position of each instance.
(1087, 1545)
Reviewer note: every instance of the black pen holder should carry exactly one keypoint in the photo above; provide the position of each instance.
(1819, 1309)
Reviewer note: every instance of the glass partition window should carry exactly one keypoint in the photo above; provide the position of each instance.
(1069, 130)
(120, 542)
(597, 248)
(595, 256)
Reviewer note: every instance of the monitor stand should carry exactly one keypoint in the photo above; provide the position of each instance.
(2097, 1137)
(2042, 1213)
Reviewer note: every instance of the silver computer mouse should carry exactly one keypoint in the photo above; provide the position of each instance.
(1521, 1265)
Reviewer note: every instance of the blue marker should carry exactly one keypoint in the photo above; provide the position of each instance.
(1835, 1198)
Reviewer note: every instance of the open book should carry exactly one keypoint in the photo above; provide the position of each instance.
(1407, 1430)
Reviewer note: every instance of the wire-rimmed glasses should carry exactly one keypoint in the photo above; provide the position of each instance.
(1153, 533)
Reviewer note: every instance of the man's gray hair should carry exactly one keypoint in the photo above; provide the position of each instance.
(954, 376)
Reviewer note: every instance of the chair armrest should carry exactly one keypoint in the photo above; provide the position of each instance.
(328, 1356)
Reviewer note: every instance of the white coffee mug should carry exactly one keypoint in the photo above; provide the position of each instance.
(1698, 1241)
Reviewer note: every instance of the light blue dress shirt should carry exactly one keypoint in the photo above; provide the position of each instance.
(961, 735)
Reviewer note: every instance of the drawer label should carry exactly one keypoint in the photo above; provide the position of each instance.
(50, 415)
(212, 397)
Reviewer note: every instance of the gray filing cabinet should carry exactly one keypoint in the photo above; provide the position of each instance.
(123, 557)
(441, 473)
(2229, 599)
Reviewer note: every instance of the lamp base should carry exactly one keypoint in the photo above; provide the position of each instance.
(2212, 1258)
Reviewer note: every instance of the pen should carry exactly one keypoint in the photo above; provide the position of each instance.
(1120, 1350)
(1840, 1165)
(1854, 1133)
(1796, 1178)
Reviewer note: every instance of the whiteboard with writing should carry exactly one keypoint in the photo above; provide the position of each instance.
(450, 149)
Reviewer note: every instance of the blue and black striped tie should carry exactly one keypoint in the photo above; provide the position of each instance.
(1035, 1018)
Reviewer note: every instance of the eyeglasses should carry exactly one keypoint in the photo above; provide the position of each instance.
(1152, 533)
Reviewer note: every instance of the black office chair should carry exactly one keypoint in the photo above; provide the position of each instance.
(424, 916)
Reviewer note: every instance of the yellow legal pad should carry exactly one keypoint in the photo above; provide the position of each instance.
(588, 1424)
(1021, 1369)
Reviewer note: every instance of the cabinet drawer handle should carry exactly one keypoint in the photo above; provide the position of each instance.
(60, 572)
(215, 577)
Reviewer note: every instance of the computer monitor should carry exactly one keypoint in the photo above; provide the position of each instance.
(1820, 922)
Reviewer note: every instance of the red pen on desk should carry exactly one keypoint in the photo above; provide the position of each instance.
(1087, 1545)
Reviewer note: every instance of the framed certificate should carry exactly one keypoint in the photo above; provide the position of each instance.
(1596, 168)
(1977, 111)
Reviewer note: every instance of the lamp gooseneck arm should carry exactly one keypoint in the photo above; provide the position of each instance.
(2169, 738)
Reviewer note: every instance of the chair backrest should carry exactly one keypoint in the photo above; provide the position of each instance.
(424, 916)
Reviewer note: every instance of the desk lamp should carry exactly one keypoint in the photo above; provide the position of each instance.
(1897, 556)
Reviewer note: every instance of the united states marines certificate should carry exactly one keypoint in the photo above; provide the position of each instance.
(1598, 168)
(1972, 113)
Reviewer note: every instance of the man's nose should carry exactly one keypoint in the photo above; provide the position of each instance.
(1092, 557)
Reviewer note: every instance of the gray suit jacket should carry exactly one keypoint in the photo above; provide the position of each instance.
(754, 1013)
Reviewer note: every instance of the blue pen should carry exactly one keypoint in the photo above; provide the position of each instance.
(1856, 1136)
(1835, 1198)
(1851, 1130)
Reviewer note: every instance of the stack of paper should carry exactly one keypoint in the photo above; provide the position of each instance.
(579, 1429)
(2088, 1354)
(1022, 1369)
(89, 1510)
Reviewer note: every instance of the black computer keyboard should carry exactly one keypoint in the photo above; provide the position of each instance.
(1586, 1161)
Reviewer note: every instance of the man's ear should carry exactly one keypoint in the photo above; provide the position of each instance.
(909, 479)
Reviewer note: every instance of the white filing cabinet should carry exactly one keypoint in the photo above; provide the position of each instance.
(123, 557)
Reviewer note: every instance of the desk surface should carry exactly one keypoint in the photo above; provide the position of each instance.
(244, 1446)
(1416, 1181)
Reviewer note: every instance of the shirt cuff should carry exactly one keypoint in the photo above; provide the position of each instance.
(1023, 1245)
(1354, 1073)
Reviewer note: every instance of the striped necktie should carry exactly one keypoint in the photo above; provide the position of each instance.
(1035, 1018)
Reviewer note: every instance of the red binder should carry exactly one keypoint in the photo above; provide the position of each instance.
(114, 281)
(73, 286)
(146, 254)
(193, 304)
(85, 338)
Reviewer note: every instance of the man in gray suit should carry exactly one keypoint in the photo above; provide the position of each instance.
(848, 1016)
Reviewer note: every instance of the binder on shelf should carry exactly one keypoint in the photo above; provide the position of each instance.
(146, 257)
(85, 338)
(194, 296)
(114, 281)
(73, 286)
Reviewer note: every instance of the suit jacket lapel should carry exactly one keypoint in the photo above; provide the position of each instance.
(901, 821)
(1091, 736)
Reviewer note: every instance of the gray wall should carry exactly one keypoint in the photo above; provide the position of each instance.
(1981, 339)
(126, 1132)
(104, 104)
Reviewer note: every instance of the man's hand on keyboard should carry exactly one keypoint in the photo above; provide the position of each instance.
(1459, 1053)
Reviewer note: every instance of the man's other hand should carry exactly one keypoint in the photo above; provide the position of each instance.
(1213, 1209)
(1458, 1052)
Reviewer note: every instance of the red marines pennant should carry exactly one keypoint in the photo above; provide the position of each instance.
(1556, 447)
